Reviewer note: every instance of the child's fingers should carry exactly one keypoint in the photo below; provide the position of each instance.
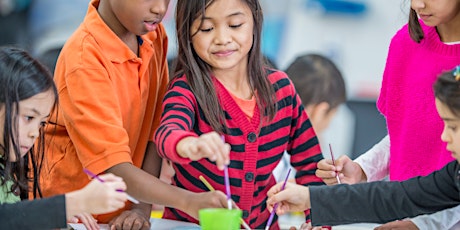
(341, 161)
(116, 185)
(213, 148)
(274, 190)
(88, 221)
(325, 164)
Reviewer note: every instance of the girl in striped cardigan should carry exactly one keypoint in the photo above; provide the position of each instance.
(225, 107)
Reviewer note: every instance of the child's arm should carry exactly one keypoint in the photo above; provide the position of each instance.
(304, 147)
(149, 189)
(370, 166)
(376, 202)
(380, 202)
(175, 137)
(139, 215)
(375, 162)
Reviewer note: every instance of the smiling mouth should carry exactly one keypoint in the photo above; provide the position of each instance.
(223, 53)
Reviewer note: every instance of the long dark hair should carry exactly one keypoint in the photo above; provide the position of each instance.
(415, 30)
(447, 90)
(197, 71)
(21, 77)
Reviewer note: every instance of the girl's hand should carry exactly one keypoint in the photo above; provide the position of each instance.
(293, 198)
(86, 219)
(209, 145)
(398, 225)
(307, 226)
(97, 197)
(349, 171)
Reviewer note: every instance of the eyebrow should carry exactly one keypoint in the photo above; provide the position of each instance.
(231, 15)
(38, 113)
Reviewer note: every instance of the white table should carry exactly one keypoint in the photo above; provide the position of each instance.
(163, 224)
(288, 220)
(156, 224)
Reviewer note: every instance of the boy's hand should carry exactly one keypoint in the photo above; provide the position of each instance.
(133, 219)
(209, 145)
(349, 171)
(293, 198)
(214, 199)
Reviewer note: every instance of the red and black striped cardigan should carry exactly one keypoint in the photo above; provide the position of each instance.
(256, 148)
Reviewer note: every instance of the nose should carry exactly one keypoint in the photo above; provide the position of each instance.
(445, 136)
(417, 4)
(34, 132)
(159, 7)
(222, 36)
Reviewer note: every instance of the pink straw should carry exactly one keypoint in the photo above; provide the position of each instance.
(333, 163)
(227, 188)
(227, 182)
(270, 219)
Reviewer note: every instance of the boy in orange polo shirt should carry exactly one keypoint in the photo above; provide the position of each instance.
(111, 77)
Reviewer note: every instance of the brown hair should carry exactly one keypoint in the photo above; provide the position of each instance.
(197, 71)
(447, 90)
(317, 79)
(415, 30)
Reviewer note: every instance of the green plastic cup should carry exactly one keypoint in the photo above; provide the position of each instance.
(220, 218)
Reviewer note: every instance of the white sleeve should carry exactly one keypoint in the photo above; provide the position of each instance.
(376, 160)
(445, 219)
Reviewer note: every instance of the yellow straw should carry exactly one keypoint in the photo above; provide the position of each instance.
(209, 186)
(205, 182)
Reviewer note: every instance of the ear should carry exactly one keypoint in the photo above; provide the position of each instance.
(317, 111)
(318, 115)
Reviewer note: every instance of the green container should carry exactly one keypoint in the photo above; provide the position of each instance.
(219, 218)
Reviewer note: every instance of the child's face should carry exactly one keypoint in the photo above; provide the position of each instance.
(451, 131)
(436, 12)
(32, 113)
(226, 35)
(320, 116)
(135, 16)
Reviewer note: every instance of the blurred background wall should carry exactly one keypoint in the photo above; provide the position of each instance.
(355, 34)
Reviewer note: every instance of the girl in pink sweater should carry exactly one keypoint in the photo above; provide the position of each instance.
(428, 45)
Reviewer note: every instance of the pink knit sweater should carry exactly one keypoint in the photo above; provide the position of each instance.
(407, 101)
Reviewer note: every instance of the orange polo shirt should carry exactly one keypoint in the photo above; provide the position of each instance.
(110, 104)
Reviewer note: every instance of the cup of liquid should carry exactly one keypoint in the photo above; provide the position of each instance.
(220, 218)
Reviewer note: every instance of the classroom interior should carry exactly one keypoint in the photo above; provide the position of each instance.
(355, 34)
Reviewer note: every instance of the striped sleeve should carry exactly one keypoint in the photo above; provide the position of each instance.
(177, 120)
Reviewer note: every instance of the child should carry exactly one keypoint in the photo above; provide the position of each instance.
(321, 88)
(380, 202)
(27, 94)
(111, 76)
(417, 52)
(225, 109)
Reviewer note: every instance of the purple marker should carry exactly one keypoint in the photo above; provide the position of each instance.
(270, 219)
